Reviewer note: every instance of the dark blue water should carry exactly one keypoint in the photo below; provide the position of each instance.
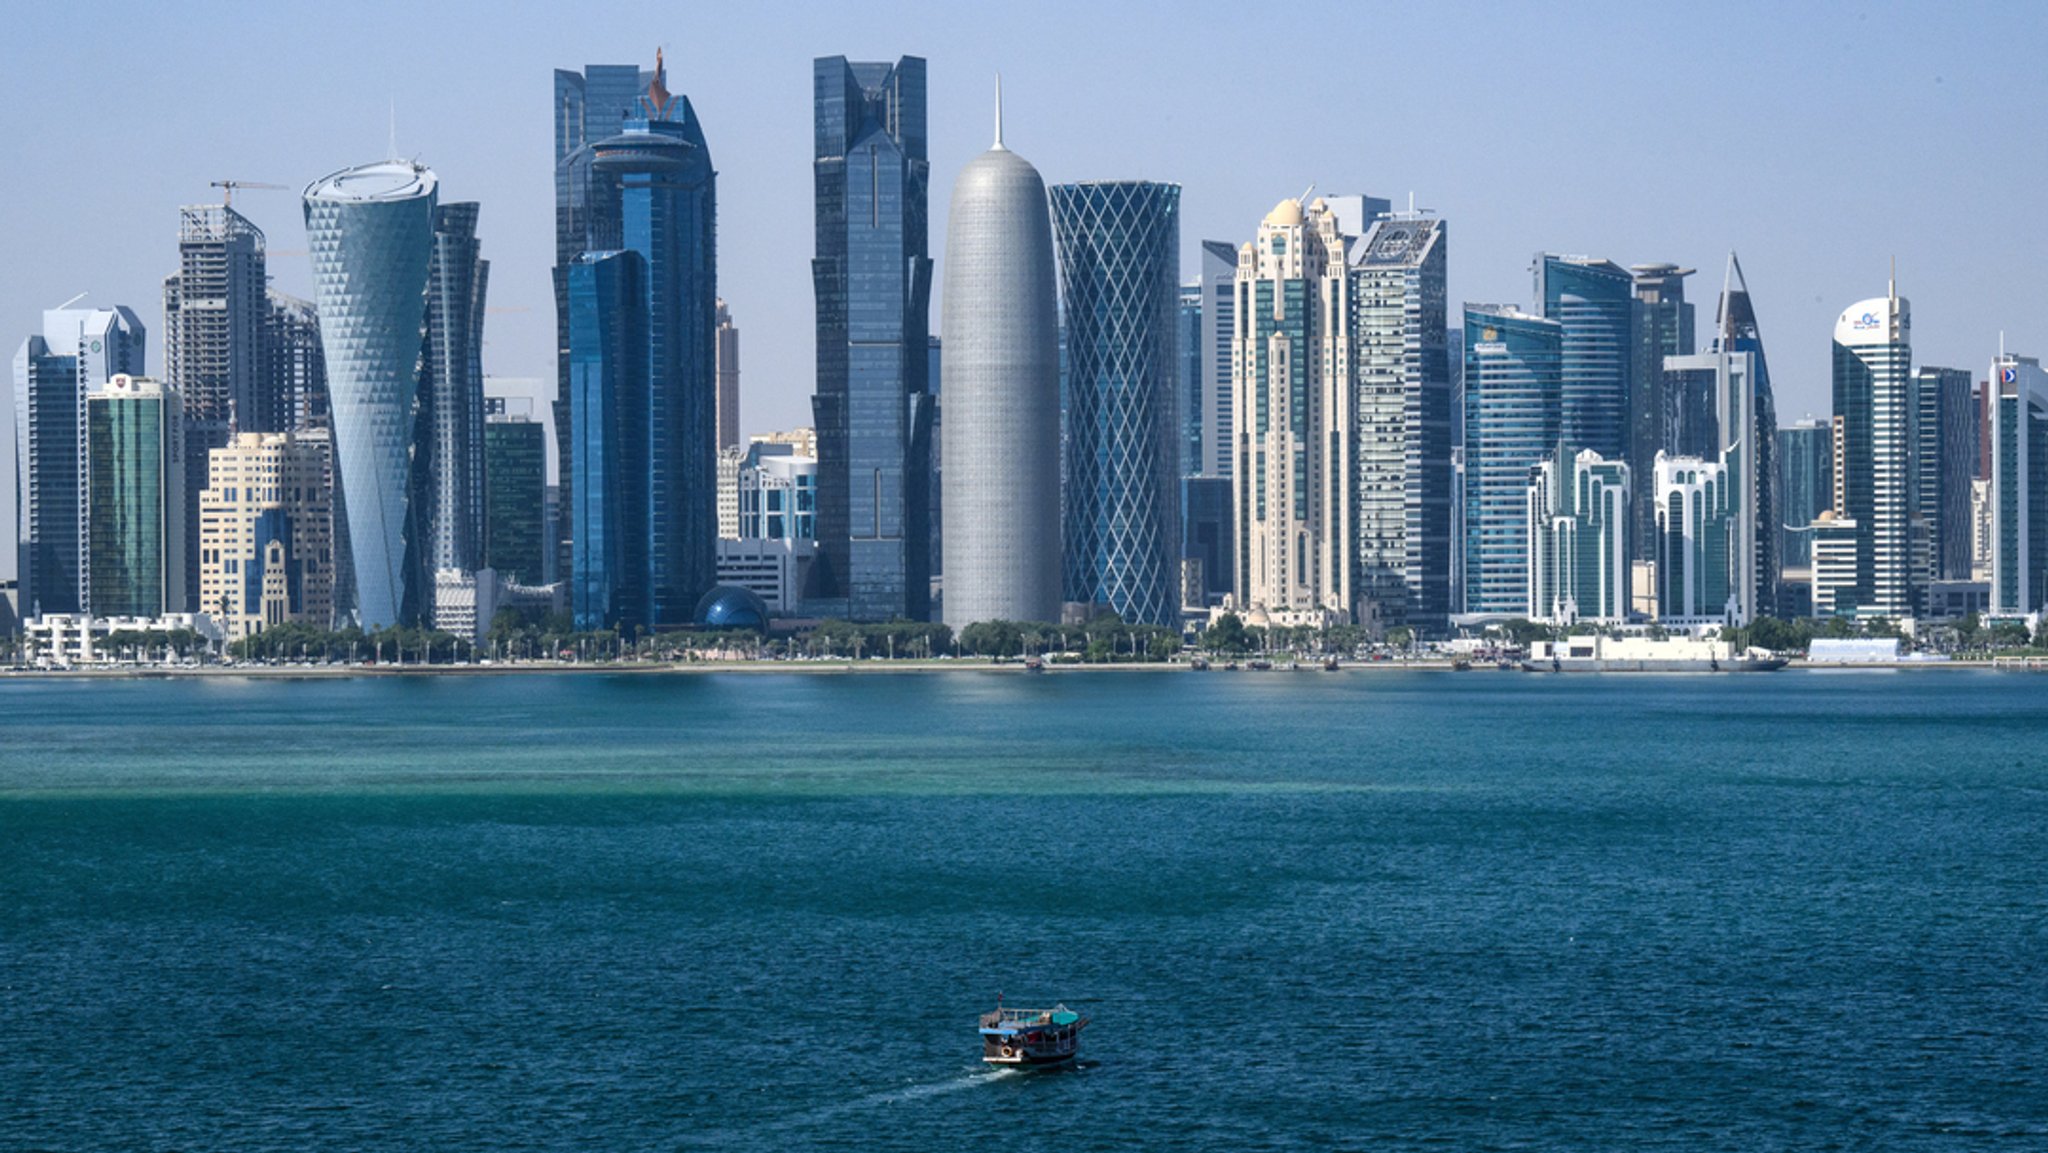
(1475, 911)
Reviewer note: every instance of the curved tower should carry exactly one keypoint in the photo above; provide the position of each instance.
(371, 233)
(1119, 248)
(1001, 451)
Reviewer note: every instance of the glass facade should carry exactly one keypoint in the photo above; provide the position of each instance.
(1694, 511)
(1665, 326)
(1187, 343)
(135, 517)
(1873, 395)
(1945, 456)
(872, 280)
(515, 497)
(1513, 407)
(611, 579)
(1806, 467)
(2019, 486)
(1119, 253)
(1594, 301)
(449, 460)
(371, 234)
(1578, 528)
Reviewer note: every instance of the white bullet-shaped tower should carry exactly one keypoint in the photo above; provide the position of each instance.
(1000, 450)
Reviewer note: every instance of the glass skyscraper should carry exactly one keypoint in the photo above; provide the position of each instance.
(1187, 343)
(1594, 302)
(135, 449)
(1119, 252)
(515, 497)
(2019, 486)
(1944, 458)
(1402, 444)
(872, 279)
(1219, 325)
(1513, 382)
(1873, 394)
(611, 578)
(371, 232)
(449, 462)
(1665, 324)
(1578, 529)
(1806, 471)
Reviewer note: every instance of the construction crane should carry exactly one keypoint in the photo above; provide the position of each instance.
(227, 187)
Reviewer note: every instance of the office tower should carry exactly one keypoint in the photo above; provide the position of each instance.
(2019, 486)
(1805, 471)
(872, 276)
(1983, 521)
(371, 232)
(1873, 394)
(1944, 457)
(727, 359)
(653, 191)
(590, 106)
(1206, 511)
(610, 574)
(1696, 560)
(54, 370)
(1187, 345)
(1740, 433)
(294, 364)
(1984, 396)
(1594, 303)
(1578, 539)
(135, 506)
(1402, 405)
(935, 488)
(1219, 324)
(1664, 328)
(1513, 411)
(1119, 253)
(1834, 565)
(515, 498)
(1291, 383)
(1002, 443)
(449, 461)
(267, 552)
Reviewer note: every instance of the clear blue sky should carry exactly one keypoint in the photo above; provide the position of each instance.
(1819, 141)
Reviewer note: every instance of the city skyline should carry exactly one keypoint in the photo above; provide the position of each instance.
(1814, 224)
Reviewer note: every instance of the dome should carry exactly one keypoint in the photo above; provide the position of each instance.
(732, 607)
(1286, 214)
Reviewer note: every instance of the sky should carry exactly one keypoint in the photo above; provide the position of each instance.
(1819, 142)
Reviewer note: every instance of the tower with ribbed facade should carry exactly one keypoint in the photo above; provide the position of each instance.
(371, 233)
(1001, 449)
(1873, 392)
(1119, 251)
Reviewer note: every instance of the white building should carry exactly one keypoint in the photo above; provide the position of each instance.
(1698, 563)
(1874, 397)
(1578, 540)
(65, 639)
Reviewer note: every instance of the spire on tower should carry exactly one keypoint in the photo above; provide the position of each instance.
(999, 114)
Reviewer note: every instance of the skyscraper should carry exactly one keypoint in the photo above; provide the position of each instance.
(1513, 403)
(1291, 386)
(135, 518)
(1806, 482)
(1187, 346)
(728, 369)
(267, 539)
(1219, 325)
(1594, 302)
(1944, 459)
(610, 575)
(653, 193)
(1002, 443)
(77, 349)
(295, 365)
(1664, 328)
(1696, 563)
(1402, 402)
(2019, 485)
(371, 232)
(590, 106)
(515, 497)
(449, 461)
(872, 276)
(1873, 394)
(1578, 529)
(1119, 252)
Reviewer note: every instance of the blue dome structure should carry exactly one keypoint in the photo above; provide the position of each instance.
(732, 607)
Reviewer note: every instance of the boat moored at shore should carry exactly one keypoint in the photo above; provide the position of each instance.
(1597, 654)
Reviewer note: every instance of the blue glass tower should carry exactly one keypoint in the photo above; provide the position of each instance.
(1119, 250)
(872, 279)
(1594, 301)
(611, 581)
(1513, 384)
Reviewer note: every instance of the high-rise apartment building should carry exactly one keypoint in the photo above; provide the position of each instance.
(1291, 385)
(515, 498)
(54, 371)
(371, 232)
(1119, 253)
(267, 554)
(135, 506)
(1513, 407)
(1944, 460)
(1874, 401)
(1578, 539)
(1401, 403)
(449, 460)
(1697, 557)
(1806, 485)
(1593, 302)
(1002, 442)
(727, 357)
(872, 278)
(2019, 486)
(1665, 327)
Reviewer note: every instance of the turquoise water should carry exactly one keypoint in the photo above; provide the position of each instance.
(1306, 911)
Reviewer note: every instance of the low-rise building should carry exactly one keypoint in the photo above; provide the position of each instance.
(63, 640)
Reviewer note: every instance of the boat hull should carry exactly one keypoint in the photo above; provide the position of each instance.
(1676, 665)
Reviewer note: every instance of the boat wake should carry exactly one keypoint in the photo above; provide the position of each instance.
(837, 1112)
(919, 1092)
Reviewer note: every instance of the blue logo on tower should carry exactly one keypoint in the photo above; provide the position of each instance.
(2009, 376)
(1865, 323)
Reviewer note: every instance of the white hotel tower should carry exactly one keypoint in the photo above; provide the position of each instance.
(1001, 451)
